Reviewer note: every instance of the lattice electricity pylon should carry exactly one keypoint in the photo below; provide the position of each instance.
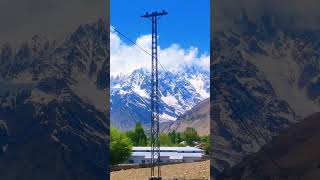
(154, 97)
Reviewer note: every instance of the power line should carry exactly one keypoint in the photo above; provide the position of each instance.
(145, 51)
(141, 48)
(131, 41)
(138, 46)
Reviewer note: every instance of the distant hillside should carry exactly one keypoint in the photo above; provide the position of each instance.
(293, 154)
(198, 118)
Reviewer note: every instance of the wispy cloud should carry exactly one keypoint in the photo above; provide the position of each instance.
(125, 57)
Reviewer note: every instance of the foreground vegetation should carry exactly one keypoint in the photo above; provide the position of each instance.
(121, 143)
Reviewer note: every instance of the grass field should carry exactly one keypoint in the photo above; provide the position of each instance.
(185, 171)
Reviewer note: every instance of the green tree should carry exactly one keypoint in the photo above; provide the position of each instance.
(206, 142)
(120, 146)
(178, 137)
(173, 136)
(138, 137)
(190, 135)
(165, 140)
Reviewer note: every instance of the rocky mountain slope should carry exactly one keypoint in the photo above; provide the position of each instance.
(53, 117)
(294, 154)
(264, 78)
(246, 111)
(288, 58)
(198, 117)
(179, 92)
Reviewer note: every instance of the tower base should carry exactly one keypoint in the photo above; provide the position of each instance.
(155, 178)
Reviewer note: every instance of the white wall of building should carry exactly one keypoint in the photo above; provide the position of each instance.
(141, 155)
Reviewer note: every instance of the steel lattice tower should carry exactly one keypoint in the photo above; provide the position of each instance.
(154, 97)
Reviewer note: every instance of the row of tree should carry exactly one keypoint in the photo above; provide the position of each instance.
(121, 143)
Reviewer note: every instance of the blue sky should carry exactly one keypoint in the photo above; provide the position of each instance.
(188, 22)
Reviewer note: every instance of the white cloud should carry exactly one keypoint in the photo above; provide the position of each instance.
(125, 57)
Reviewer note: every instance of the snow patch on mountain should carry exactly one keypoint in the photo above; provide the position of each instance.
(166, 117)
(198, 83)
(170, 100)
(140, 91)
(122, 92)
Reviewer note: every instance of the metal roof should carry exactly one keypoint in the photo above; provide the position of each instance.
(162, 148)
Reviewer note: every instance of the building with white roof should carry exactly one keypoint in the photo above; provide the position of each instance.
(142, 155)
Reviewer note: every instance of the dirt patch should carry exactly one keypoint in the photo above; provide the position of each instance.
(185, 171)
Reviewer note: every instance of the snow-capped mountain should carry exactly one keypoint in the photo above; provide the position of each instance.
(179, 92)
(53, 106)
